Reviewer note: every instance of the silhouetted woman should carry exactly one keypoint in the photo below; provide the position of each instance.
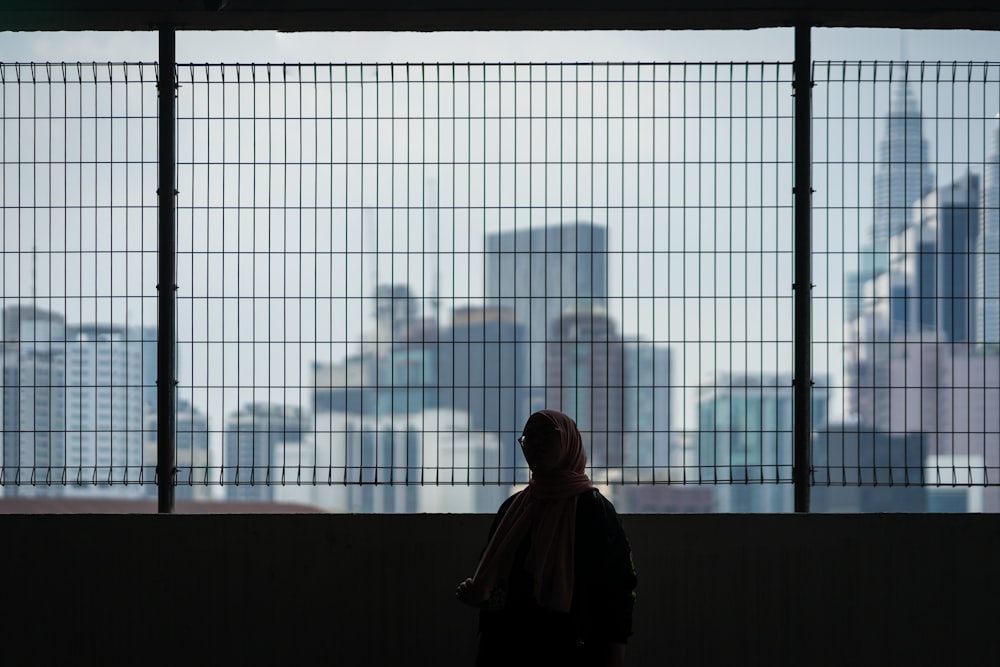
(555, 584)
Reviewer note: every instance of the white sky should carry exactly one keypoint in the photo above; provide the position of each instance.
(677, 46)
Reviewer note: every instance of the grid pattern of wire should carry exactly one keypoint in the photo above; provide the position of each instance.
(906, 222)
(77, 279)
(383, 269)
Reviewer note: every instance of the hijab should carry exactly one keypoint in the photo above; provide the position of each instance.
(545, 510)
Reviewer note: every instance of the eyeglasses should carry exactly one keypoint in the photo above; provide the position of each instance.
(542, 437)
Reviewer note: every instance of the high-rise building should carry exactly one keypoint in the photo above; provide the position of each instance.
(746, 444)
(34, 401)
(646, 410)
(947, 391)
(930, 286)
(903, 172)
(104, 409)
(860, 470)
(149, 366)
(988, 250)
(191, 456)
(941, 262)
(262, 450)
(407, 371)
(585, 379)
(483, 373)
(903, 176)
(539, 272)
(418, 459)
(396, 310)
(430, 404)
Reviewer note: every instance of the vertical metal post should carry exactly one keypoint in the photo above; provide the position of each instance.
(802, 341)
(166, 329)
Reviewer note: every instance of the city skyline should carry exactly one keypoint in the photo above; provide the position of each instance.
(697, 227)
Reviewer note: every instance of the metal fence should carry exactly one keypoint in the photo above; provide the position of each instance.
(906, 222)
(383, 269)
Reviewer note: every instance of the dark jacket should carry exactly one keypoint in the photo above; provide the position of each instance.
(516, 628)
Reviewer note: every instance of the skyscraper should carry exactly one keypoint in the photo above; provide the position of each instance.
(646, 409)
(483, 361)
(539, 272)
(585, 379)
(34, 401)
(419, 458)
(903, 172)
(941, 254)
(262, 450)
(745, 444)
(903, 177)
(104, 409)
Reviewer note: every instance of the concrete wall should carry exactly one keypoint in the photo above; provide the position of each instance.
(883, 589)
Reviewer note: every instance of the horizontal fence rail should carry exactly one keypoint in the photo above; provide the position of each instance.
(384, 269)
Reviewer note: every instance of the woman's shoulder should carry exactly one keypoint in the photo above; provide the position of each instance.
(505, 505)
(595, 499)
(597, 521)
(593, 506)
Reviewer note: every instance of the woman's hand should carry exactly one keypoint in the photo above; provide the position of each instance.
(464, 592)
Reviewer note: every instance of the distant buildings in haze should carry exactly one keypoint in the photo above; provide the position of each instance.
(921, 364)
(538, 273)
(543, 338)
(73, 398)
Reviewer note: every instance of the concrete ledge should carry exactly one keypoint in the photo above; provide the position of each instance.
(878, 589)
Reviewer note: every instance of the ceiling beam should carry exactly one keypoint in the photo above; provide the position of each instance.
(443, 15)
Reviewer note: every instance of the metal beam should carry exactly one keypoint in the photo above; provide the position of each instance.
(802, 338)
(166, 333)
(405, 15)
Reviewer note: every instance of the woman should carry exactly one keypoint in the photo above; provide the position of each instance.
(555, 582)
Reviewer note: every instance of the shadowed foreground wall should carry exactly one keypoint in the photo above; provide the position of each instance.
(378, 590)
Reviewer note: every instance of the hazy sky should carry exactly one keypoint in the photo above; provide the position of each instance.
(740, 46)
(263, 47)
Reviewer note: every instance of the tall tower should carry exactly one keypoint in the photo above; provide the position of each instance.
(903, 177)
(903, 173)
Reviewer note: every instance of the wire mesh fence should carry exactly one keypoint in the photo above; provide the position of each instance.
(906, 205)
(78, 274)
(383, 269)
(424, 254)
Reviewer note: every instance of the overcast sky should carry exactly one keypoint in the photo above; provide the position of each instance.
(689, 46)
(771, 44)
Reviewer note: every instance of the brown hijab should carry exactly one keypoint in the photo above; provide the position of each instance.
(546, 509)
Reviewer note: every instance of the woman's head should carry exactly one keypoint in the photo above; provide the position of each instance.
(551, 443)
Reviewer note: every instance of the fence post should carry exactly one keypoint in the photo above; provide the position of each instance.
(802, 337)
(166, 329)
